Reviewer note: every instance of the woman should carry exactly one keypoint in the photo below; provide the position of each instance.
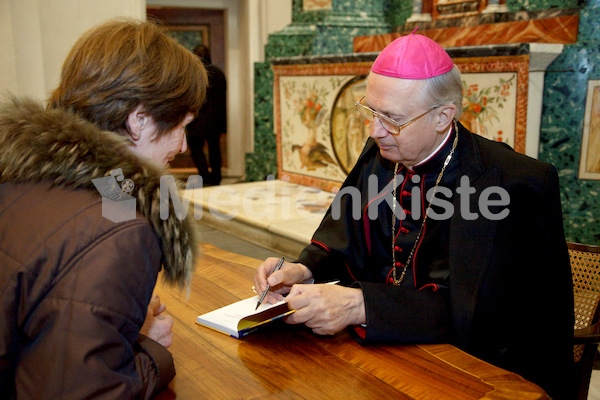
(75, 287)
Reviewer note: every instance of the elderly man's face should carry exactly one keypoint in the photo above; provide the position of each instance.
(399, 99)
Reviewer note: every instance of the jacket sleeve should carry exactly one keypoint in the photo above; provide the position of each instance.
(86, 328)
(154, 365)
(403, 315)
(543, 294)
(393, 314)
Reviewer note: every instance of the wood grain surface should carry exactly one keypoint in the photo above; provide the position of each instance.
(281, 361)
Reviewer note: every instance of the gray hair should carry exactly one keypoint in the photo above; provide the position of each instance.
(444, 89)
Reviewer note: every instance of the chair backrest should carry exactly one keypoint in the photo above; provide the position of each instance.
(585, 266)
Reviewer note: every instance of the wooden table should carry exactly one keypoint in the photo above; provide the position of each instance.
(289, 362)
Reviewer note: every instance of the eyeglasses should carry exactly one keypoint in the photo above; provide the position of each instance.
(389, 124)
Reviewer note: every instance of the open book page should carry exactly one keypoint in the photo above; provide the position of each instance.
(242, 317)
(239, 318)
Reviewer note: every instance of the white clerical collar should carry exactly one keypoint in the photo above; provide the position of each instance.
(433, 153)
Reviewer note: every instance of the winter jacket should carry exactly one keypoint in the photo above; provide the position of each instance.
(74, 285)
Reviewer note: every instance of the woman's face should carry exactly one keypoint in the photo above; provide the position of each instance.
(161, 150)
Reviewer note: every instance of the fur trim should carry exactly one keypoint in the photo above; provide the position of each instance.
(56, 145)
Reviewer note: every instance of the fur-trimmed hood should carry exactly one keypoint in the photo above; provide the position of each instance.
(55, 145)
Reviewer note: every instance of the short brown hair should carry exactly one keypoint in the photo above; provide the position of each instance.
(124, 63)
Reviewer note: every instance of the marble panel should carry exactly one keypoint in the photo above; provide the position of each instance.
(263, 161)
(291, 42)
(339, 40)
(565, 92)
(328, 31)
(561, 29)
(399, 12)
(589, 28)
(357, 8)
(485, 18)
(370, 6)
(272, 210)
(324, 59)
(517, 5)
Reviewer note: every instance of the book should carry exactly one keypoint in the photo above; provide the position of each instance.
(242, 317)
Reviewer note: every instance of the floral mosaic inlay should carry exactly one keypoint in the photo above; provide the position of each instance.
(489, 105)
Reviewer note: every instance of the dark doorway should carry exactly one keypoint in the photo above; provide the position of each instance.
(193, 26)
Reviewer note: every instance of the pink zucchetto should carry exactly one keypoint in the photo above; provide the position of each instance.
(412, 57)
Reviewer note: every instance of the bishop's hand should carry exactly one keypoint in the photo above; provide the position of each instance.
(326, 309)
(281, 281)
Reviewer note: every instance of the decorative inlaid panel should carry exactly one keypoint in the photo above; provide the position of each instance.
(495, 100)
(319, 132)
(589, 165)
(549, 30)
(444, 9)
(312, 5)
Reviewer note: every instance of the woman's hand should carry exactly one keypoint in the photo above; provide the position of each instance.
(156, 326)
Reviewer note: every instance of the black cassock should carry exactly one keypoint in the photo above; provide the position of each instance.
(485, 285)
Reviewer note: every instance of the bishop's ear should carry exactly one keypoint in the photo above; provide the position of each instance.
(446, 115)
(137, 120)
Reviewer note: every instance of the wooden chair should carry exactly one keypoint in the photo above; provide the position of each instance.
(585, 266)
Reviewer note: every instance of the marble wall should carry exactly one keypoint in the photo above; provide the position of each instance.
(565, 91)
(564, 96)
(530, 5)
(263, 161)
(332, 31)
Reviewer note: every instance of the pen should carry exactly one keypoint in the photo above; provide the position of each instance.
(262, 296)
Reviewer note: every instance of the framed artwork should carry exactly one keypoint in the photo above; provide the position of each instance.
(320, 133)
(589, 163)
(190, 36)
(314, 5)
(446, 9)
(349, 130)
(495, 97)
(314, 106)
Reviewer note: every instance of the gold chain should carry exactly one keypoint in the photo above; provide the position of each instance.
(397, 281)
